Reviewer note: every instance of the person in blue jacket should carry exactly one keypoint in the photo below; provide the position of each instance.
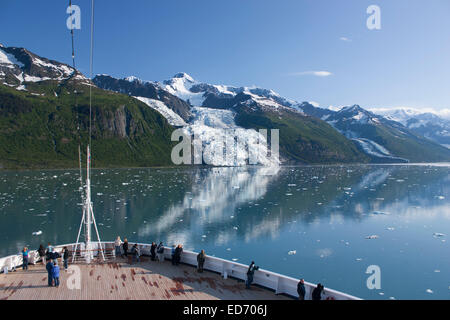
(55, 274)
(49, 267)
(25, 258)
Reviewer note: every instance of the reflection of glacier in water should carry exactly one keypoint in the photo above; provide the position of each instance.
(214, 198)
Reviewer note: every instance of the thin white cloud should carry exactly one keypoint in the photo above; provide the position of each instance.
(345, 39)
(312, 73)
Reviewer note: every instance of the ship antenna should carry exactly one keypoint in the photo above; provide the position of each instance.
(88, 217)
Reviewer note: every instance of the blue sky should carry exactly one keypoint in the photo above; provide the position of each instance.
(267, 43)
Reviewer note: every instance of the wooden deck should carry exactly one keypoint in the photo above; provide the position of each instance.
(119, 280)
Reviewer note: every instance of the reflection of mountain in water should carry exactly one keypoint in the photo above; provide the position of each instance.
(215, 195)
(226, 204)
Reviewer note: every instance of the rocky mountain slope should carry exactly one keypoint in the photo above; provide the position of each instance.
(39, 119)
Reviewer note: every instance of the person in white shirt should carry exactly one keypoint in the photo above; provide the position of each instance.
(117, 245)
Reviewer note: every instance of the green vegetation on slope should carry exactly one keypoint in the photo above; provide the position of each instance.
(39, 129)
(302, 138)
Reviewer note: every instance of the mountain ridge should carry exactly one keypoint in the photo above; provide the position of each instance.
(133, 114)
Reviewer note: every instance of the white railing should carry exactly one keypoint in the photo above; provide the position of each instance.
(279, 283)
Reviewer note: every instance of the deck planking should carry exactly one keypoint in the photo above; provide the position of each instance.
(120, 280)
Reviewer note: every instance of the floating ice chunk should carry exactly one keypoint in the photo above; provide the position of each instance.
(374, 236)
(292, 185)
(235, 228)
(358, 259)
(236, 187)
(438, 235)
(234, 259)
(204, 236)
(429, 291)
(292, 252)
(37, 233)
(228, 249)
(390, 228)
(440, 197)
(289, 194)
(437, 271)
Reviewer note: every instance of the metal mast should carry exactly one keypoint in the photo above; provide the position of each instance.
(88, 217)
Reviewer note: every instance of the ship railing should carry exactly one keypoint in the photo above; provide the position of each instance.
(278, 283)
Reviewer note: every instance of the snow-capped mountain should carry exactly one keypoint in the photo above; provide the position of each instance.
(427, 124)
(200, 94)
(242, 109)
(382, 139)
(19, 66)
(176, 110)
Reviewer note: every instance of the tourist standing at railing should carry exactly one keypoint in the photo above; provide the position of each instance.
(49, 251)
(160, 251)
(250, 272)
(177, 254)
(125, 247)
(49, 267)
(25, 254)
(55, 274)
(66, 258)
(201, 257)
(153, 251)
(55, 256)
(117, 244)
(317, 292)
(41, 252)
(136, 253)
(301, 289)
(173, 254)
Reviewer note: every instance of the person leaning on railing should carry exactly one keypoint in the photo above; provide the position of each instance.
(250, 272)
(42, 254)
(160, 252)
(153, 251)
(177, 254)
(201, 257)
(125, 247)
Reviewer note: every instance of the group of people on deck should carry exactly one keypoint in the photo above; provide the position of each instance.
(122, 249)
(316, 293)
(156, 252)
(49, 258)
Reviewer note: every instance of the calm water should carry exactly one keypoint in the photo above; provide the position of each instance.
(323, 213)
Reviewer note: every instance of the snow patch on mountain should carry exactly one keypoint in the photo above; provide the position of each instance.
(374, 149)
(173, 118)
(180, 86)
(9, 60)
